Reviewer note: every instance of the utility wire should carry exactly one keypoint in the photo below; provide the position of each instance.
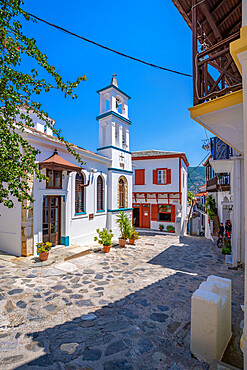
(107, 48)
(198, 165)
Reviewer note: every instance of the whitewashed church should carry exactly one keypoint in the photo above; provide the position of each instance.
(76, 200)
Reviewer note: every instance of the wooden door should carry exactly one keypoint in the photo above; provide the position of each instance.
(145, 219)
(52, 219)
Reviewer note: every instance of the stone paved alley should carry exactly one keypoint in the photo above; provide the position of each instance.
(129, 309)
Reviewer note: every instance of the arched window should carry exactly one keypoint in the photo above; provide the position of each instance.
(120, 104)
(122, 192)
(79, 194)
(100, 194)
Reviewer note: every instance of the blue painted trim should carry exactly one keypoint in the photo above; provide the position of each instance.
(114, 147)
(65, 240)
(80, 213)
(111, 113)
(63, 197)
(119, 210)
(116, 88)
(119, 170)
(100, 210)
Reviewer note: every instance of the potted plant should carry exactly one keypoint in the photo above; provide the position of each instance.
(104, 238)
(170, 229)
(43, 250)
(124, 226)
(161, 227)
(133, 235)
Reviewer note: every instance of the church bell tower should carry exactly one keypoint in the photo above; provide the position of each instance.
(114, 144)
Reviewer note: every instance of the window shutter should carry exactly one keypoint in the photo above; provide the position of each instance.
(154, 212)
(173, 213)
(139, 177)
(168, 176)
(154, 176)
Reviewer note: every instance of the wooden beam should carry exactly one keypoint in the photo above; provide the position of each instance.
(220, 77)
(219, 44)
(194, 52)
(230, 13)
(214, 56)
(215, 9)
(227, 16)
(211, 20)
(228, 74)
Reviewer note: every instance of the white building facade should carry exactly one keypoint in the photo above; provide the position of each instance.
(76, 200)
(160, 190)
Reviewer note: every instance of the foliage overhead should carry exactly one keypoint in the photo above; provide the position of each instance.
(18, 89)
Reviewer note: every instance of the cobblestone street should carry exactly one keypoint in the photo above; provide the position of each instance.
(129, 309)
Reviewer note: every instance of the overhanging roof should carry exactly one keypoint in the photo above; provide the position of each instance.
(55, 162)
(218, 18)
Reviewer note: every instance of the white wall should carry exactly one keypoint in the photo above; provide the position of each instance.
(10, 228)
(151, 164)
(78, 228)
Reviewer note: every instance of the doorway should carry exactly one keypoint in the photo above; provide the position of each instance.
(136, 217)
(52, 219)
(146, 216)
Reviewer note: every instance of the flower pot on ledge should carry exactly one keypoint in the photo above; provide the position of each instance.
(132, 241)
(121, 242)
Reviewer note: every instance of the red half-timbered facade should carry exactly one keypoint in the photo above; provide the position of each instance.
(160, 190)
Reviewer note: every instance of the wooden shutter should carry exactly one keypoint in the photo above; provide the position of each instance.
(154, 176)
(173, 213)
(168, 176)
(139, 177)
(154, 212)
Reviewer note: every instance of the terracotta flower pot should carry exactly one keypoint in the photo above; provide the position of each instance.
(122, 242)
(43, 256)
(106, 248)
(131, 241)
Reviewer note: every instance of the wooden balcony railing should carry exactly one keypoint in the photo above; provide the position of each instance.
(214, 71)
(220, 182)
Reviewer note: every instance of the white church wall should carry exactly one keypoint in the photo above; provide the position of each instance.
(78, 229)
(10, 228)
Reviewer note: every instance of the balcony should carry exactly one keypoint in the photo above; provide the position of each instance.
(219, 183)
(219, 149)
(215, 73)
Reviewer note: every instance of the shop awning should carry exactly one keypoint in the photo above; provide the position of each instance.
(55, 162)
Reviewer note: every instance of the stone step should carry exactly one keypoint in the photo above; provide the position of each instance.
(219, 365)
(77, 252)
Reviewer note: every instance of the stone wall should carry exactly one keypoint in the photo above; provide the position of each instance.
(27, 247)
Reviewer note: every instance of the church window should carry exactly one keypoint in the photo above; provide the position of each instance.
(55, 179)
(100, 194)
(79, 194)
(122, 192)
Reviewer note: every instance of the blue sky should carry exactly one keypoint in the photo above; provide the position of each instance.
(153, 31)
